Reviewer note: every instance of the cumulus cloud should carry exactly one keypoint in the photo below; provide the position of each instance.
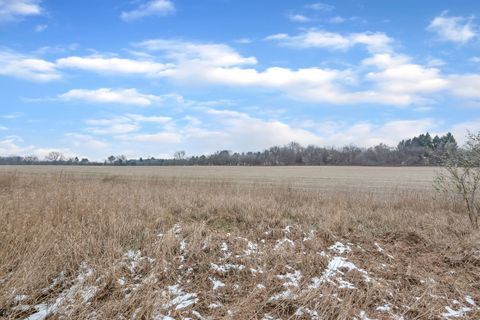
(320, 6)
(298, 18)
(374, 41)
(163, 137)
(109, 65)
(26, 67)
(149, 8)
(124, 124)
(240, 131)
(460, 130)
(465, 85)
(385, 77)
(86, 141)
(108, 95)
(11, 10)
(40, 27)
(399, 80)
(204, 53)
(456, 29)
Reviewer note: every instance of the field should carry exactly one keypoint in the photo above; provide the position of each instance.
(233, 243)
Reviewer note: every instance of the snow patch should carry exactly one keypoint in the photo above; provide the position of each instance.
(339, 247)
(216, 283)
(292, 279)
(225, 268)
(282, 243)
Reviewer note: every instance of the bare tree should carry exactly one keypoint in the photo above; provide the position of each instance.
(461, 176)
(179, 155)
(55, 156)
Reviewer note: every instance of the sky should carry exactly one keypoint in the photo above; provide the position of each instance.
(146, 78)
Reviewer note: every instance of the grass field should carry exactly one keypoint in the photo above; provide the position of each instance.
(233, 243)
(326, 178)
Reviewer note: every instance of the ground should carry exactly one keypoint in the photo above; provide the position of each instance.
(234, 243)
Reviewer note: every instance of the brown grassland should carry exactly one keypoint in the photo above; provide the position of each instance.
(233, 243)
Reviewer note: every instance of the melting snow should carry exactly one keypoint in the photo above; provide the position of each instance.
(281, 243)
(43, 311)
(224, 268)
(309, 236)
(285, 295)
(340, 248)
(306, 311)
(293, 278)
(385, 308)
(363, 315)
(68, 295)
(182, 300)
(216, 283)
(451, 313)
(470, 300)
(251, 248)
(333, 271)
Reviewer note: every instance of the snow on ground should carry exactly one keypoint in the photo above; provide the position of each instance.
(339, 270)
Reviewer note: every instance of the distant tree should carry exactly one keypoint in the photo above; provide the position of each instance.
(55, 156)
(84, 161)
(111, 159)
(31, 159)
(179, 155)
(121, 160)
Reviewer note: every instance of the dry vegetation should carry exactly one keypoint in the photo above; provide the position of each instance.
(78, 246)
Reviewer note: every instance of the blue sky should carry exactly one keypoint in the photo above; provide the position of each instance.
(149, 77)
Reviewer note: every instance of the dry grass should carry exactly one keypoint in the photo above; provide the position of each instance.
(113, 247)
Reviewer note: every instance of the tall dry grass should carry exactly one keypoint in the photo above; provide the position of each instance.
(110, 247)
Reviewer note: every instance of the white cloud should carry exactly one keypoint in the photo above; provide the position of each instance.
(298, 18)
(115, 128)
(320, 6)
(459, 130)
(3, 128)
(383, 78)
(163, 137)
(203, 53)
(455, 29)
(11, 10)
(124, 124)
(337, 19)
(465, 85)
(151, 119)
(399, 80)
(40, 27)
(25, 67)
(375, 42)
(108, 95)
(244, 40)
(110, 65)
(368, 134)
(83, 140)
(9, 146)
(241, 131)
(149, 8)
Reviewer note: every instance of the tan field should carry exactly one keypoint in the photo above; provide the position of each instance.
(233, 243)
(326, 178)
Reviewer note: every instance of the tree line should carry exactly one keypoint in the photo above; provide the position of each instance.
(422, 150)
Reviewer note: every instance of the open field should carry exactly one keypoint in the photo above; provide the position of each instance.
(326, 178)
(233, 243)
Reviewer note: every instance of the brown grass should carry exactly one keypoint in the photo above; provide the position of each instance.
(109, 247)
